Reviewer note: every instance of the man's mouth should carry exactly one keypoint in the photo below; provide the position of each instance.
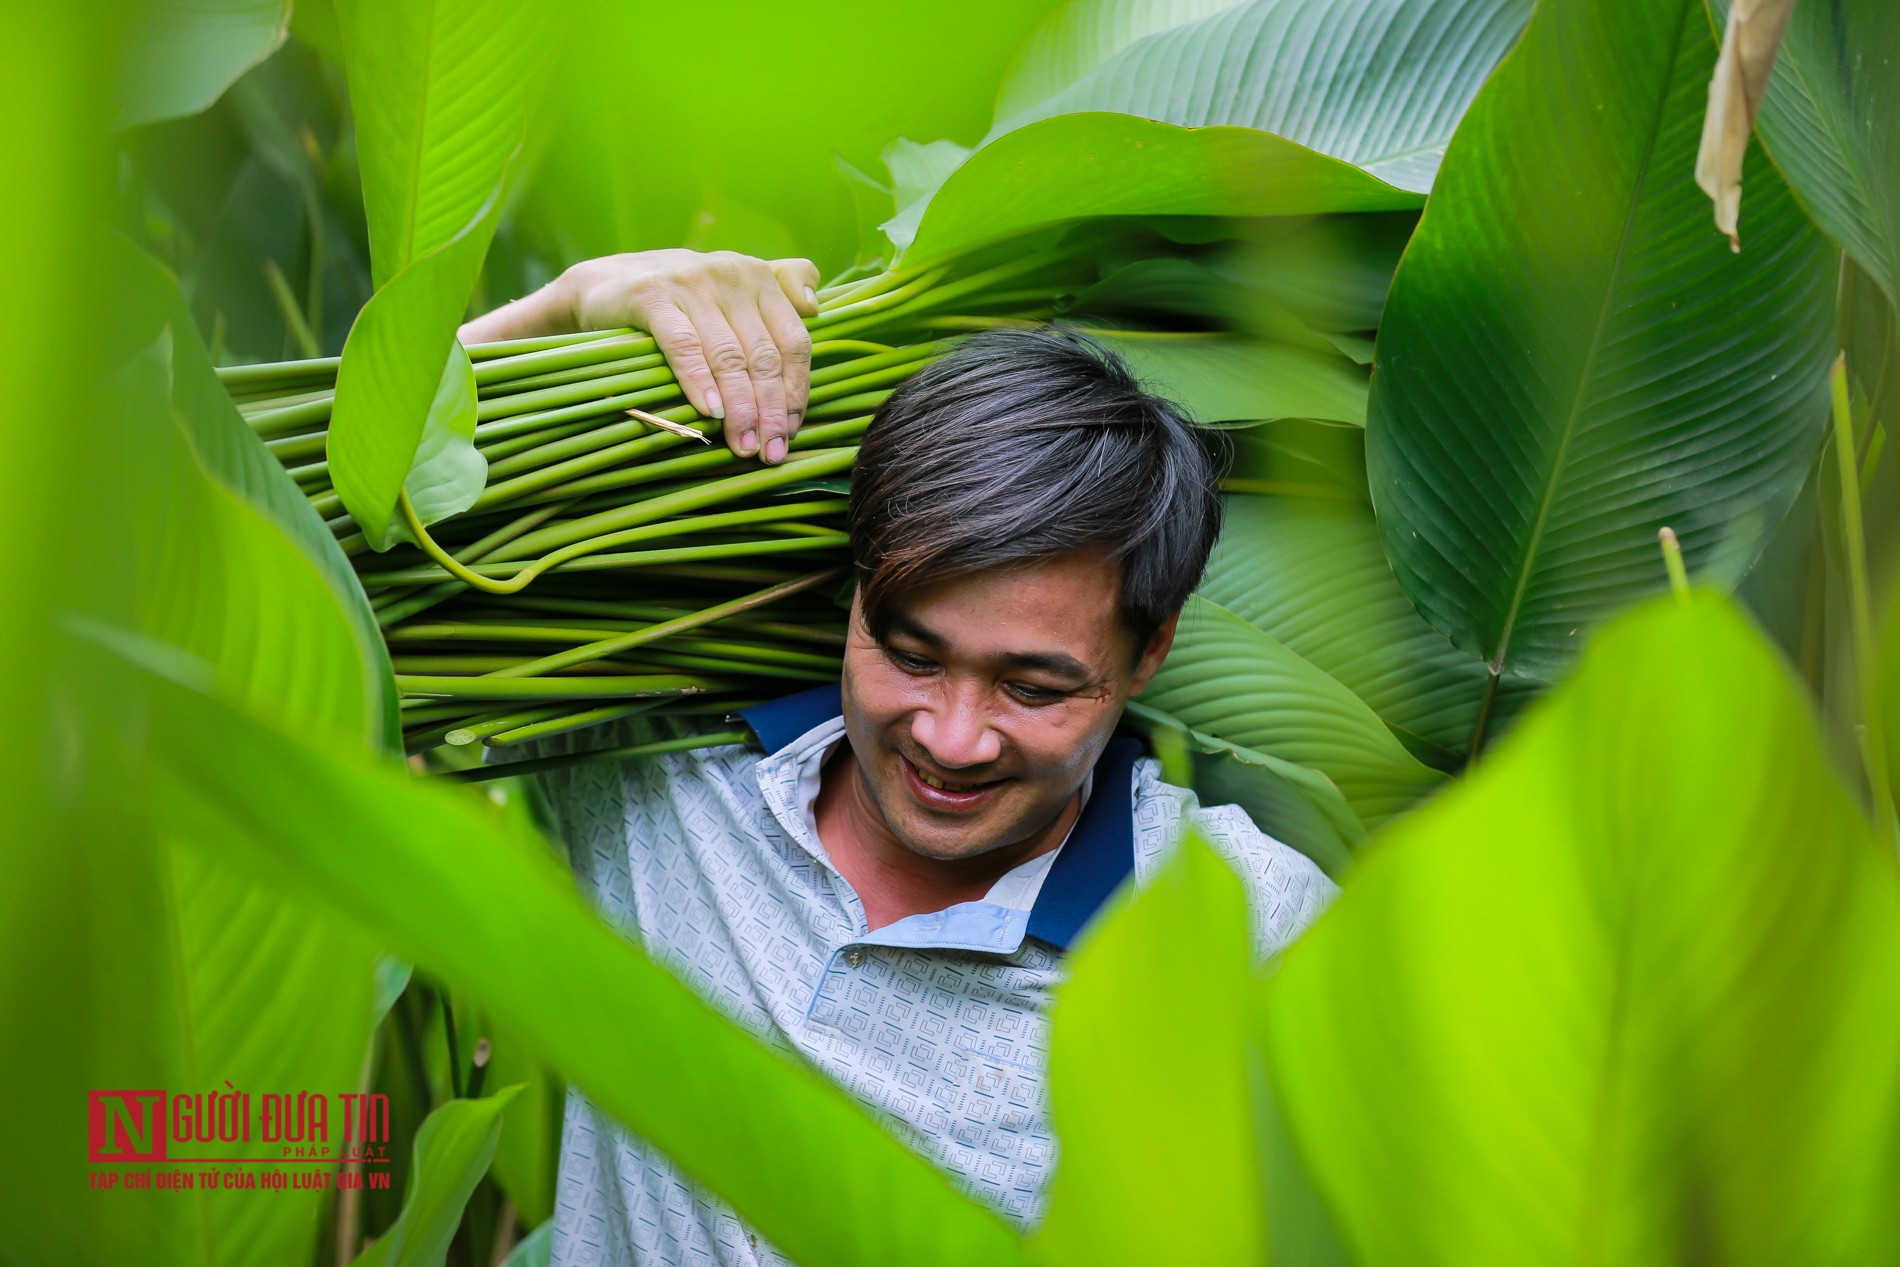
(947, 794)
(944, 784)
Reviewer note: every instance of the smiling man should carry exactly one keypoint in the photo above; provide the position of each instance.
(888, 879)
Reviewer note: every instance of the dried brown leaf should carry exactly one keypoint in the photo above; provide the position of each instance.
(1749, 44)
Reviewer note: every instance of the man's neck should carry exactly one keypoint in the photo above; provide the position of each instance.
(893, 881)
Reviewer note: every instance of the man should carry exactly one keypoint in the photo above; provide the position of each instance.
(888, 879)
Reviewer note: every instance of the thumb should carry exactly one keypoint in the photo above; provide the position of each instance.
(799, 280)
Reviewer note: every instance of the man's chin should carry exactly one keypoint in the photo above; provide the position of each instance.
(933, 841)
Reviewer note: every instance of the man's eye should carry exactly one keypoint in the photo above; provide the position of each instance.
(1029, 693)
(908, 663)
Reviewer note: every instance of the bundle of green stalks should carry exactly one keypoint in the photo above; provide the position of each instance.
(621, 559)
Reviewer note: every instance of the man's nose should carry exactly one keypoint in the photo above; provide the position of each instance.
(955, 729)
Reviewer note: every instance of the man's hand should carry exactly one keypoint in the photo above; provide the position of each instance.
(728, 324)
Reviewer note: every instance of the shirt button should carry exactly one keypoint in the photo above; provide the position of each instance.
(854, 957)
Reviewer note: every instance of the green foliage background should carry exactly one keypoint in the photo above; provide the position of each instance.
(1622, 992)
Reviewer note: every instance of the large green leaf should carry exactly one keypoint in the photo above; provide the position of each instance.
(1339, 107)
(1294, 804)
(1570, 360)
(254, 987)
(452, 1152)
(1227, 378)
(398, 390)
(1149, 1080)
(1378, 83)
(484, 906)
(178, 56)
(229, 454)
(1296, 457)
(1076, 166)
(1312, 574)
(1232, 681)
(1631, 994)
(1075, 38)
(440, 96)
(1831, 121)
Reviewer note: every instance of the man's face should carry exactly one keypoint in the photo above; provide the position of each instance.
(977, 717)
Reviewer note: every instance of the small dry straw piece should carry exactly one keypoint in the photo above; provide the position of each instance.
(677, 428)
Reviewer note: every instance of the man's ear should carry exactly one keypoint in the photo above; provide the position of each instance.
(1154, 653)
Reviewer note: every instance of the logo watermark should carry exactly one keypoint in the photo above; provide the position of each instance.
(277, 1141)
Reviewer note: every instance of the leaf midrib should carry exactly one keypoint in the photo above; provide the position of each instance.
(1573, 416)
(413, 194)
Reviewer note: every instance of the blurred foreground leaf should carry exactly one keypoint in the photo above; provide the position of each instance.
(482, 905)
(1629, 994)
(1150, 1090)
(255, 987)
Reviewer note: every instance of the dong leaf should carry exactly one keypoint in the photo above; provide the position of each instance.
(1075, 38)
(484, 906)
(1831, 121)
(177, 57)
(1294, 804)
(1227, 378)
(448, 473)
(229, 454)
(1233, 682)
(1612, 367)
(1311, 573)
(1076, 166)
(252, 986)
(452, 1152)
(1149, 1080)
(1295, 457)
(1630, 994)
(1378, 83)
(1291, 107)
(440, 97)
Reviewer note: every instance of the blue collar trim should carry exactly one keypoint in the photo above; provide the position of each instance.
(777, 722)
(1100, 852)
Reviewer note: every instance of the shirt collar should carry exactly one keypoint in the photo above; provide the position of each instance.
(1098, 855)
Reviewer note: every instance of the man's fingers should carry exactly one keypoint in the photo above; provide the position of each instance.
(799, 280)
(794, 348)
(727, 356)
(765, 365)
(685, 351)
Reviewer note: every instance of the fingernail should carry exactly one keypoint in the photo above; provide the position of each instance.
(715, 404)
(775, 449)
(811, 296)
(749, 443)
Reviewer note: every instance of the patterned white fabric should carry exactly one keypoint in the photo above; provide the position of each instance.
(937, 1022)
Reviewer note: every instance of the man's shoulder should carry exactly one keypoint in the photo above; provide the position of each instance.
(1286, 891)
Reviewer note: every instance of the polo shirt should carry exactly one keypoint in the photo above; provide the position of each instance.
(710, 859)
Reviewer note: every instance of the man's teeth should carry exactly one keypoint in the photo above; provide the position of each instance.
(947, 787)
